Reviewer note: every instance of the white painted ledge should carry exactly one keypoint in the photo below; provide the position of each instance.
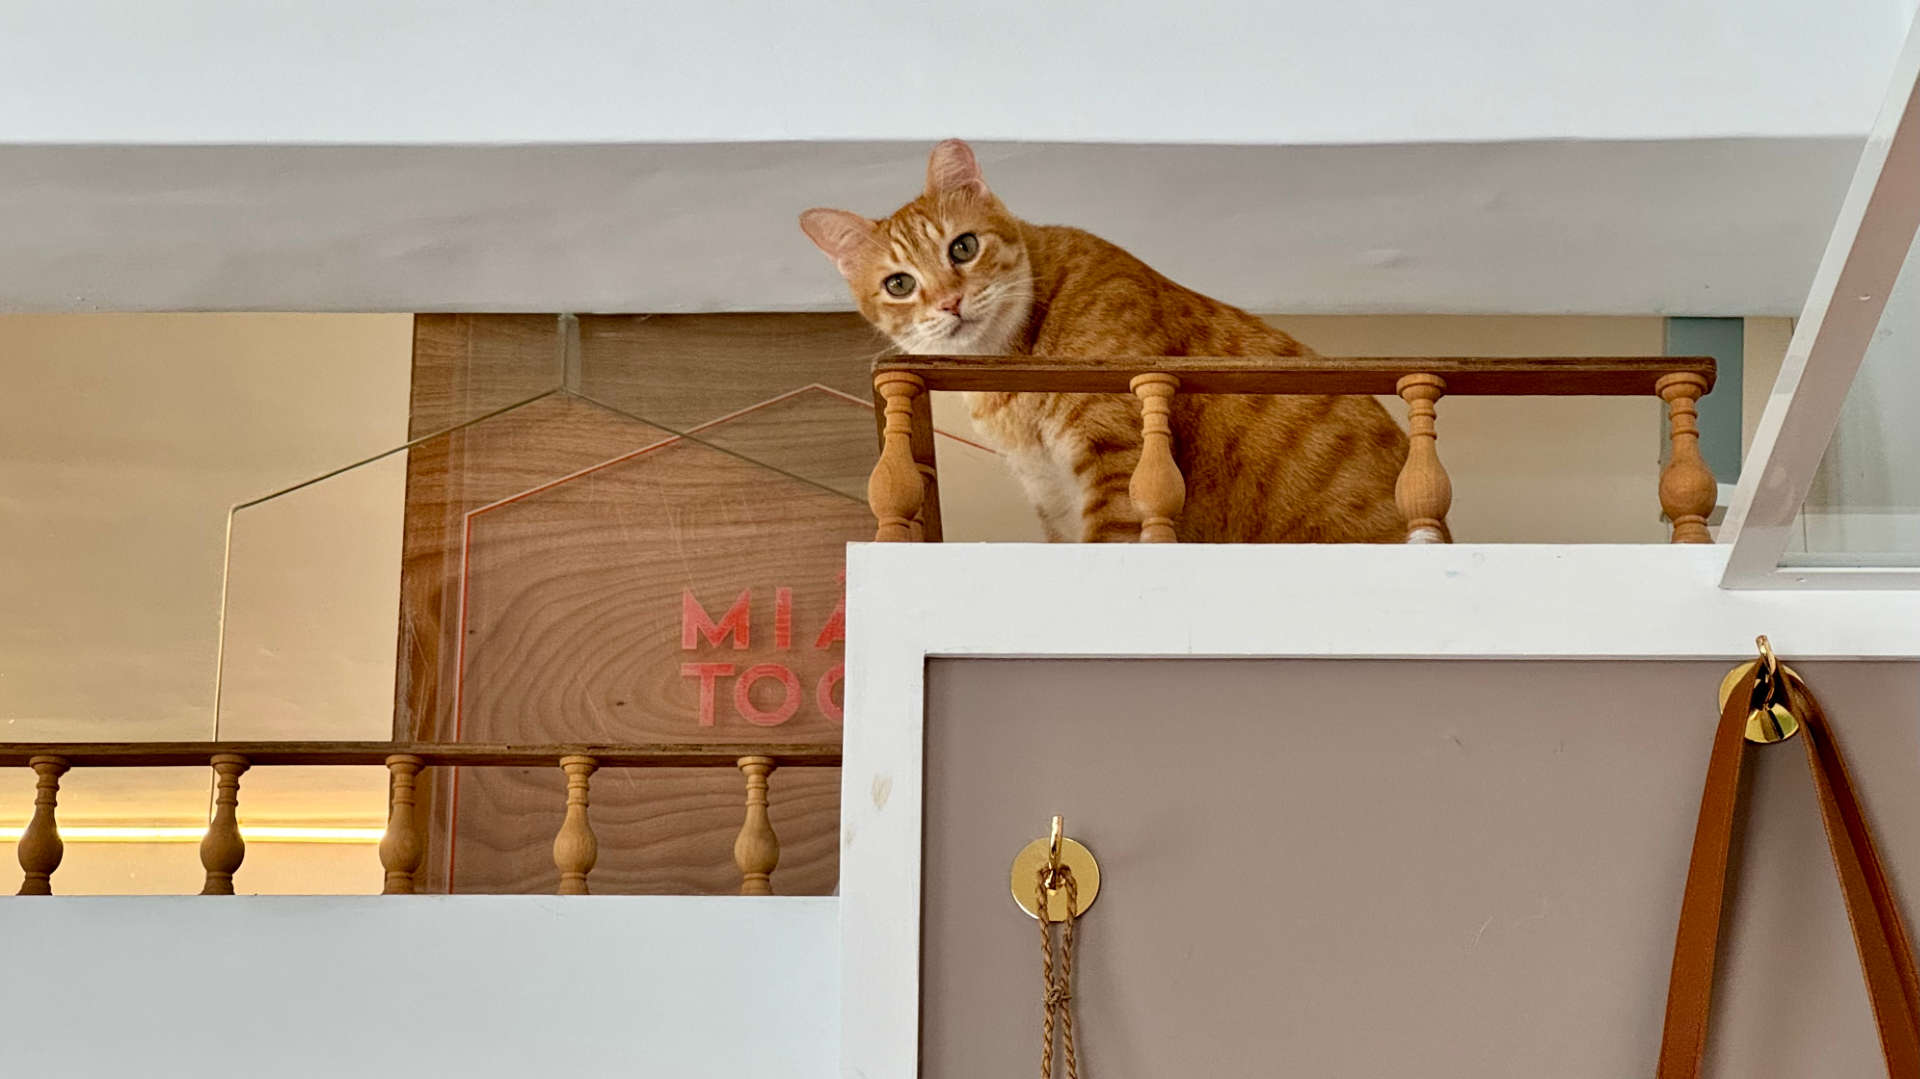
(1689, 226)
(1449, 157)
(473, 986)
(1461, 601)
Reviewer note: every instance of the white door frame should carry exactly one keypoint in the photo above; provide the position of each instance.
(908, 602)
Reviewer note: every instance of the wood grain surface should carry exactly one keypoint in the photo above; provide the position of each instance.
(1519, 376)
(681, 371)
(547, 559)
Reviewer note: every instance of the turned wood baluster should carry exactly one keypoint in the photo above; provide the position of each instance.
(1687, 488)
(40, 846)
(400, 849)
(757, 850)
(1423, 491)
(896, 489)
(918, 527)
(1157, 488)
(575, 849)
(222, 850)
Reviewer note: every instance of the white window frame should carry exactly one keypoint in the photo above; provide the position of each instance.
(1869, 244)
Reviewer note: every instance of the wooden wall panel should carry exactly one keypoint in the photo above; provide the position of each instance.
(680, 371)
(465, 366)
(576, 626)
(543, 596)
(451, 475)
(815, 434)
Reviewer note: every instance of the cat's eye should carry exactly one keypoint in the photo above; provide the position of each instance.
(900, 284)
(963, 248)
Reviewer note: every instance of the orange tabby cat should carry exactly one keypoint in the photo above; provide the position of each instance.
(953, 273)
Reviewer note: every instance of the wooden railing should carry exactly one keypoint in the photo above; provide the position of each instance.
(402, 850)
(904, 489)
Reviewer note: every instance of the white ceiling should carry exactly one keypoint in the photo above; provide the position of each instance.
(1259, 72)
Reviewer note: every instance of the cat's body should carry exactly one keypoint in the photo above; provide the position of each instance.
(981, 282)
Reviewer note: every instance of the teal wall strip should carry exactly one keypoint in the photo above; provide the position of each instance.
(1725, 340)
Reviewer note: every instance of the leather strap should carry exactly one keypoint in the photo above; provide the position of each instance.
(1886, 958)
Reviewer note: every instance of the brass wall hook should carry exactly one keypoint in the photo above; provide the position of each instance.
(1042, 861)
(1054, 835)
(1768, 718)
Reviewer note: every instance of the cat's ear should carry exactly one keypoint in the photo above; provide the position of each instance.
(839, 233)
(952, 168)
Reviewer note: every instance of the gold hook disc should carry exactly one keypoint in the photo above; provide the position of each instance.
(1766, 723)
(1032, 861)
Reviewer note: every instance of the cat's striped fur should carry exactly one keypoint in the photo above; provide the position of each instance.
(1258, 469)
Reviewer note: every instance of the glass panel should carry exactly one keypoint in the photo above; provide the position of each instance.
(1864, 506)
(676, 594)
(307, 654)
(307, 639)
(561, 571)
(124, 440)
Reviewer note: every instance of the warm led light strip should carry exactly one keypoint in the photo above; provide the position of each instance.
(96, 834)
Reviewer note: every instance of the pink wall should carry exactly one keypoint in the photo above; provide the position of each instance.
(1358, 868)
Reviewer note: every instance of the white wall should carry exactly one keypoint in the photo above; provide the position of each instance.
(471, 986)
(1242, 71)
(123, 441)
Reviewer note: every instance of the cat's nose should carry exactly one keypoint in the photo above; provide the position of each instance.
(951, 305)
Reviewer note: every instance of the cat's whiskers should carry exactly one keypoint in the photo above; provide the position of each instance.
(922, 339)
(890, 348)
(998, 309)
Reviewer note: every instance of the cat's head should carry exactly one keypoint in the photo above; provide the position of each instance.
(945, 274)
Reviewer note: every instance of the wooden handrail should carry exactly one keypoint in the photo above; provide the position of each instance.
(223, 849)
(1526, 376)
(430, 754)
(904, 492)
